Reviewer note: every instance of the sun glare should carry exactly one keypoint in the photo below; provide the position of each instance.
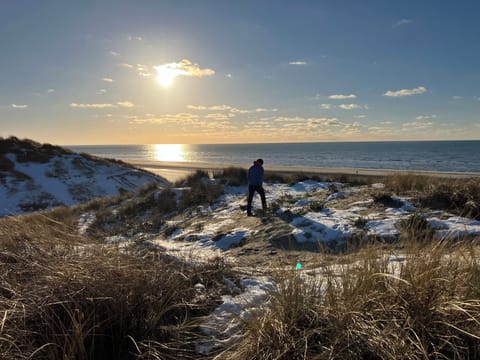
(166, 75)
(169, 152)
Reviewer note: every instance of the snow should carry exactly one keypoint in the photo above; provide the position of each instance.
(223, 325)
(230, 240)
(455, 227)
(84, 222)
(67, 179)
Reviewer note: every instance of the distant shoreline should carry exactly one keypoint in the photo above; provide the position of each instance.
(175, 170)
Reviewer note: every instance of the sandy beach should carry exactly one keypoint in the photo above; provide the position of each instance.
(174, 171)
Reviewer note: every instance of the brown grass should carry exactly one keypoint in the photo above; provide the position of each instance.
(428, 309)
(458, 195)
(64, 297)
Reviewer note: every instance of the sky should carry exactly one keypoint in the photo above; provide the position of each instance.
(221, 71)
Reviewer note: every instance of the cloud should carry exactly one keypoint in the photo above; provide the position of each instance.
(417, 125)
(264, 110)
(162, 119)
(324, 121)
(426, 117)
(401, 22)
(125, 104)
(16, 106)
(342, 97)
(143, 70)
(326, 106)
(228, 75)
(122, 104)
(360, 116)
(183, 68)
(125, 65)
(349, 106)
(456, 97)
(50, 91)
(91, 106)
(228, 108)
(406, 92)
(114, 53)
(101, 91)
(298, 63)
(137, 38)
(107, 79)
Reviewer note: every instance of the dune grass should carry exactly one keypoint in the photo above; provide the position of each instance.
(461, 196)
(427, 307)
(65, 297)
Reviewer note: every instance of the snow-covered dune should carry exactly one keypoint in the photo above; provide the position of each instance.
(35, 177)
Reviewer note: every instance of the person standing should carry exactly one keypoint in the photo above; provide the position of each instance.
(255, 183)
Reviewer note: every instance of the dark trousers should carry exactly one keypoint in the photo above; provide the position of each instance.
(251, 192)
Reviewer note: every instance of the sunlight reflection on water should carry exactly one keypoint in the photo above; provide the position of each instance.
(168, 152)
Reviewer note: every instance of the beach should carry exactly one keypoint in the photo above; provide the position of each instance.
(176, 170)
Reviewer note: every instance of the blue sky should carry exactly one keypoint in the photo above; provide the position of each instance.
(129, 72)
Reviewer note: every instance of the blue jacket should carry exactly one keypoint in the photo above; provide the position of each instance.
(255, 175)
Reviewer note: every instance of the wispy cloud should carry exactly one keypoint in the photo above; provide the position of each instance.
(122, 104)
(137, 38)
(228, 75)
(107, 79)
(326, 106)
(50, 91)
(114, 53)
(17, 106)
(125, 104)
(406, 92)
(426, 117)
(402, 22)
(349, 106)
(91, 106)
(342, 97)
(143, 70)
(298, 62)
(360, 116)
(229, 108)
(418, 125)
(125, 65)
(101, 91)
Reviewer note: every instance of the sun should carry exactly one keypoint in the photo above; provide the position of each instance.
(166, 74)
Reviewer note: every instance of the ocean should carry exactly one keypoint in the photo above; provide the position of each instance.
(449, 156)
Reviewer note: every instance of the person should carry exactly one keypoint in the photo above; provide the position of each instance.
(255, 183)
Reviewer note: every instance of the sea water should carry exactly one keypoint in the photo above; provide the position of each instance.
(451, 156)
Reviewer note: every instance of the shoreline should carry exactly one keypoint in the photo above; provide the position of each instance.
(176, 170)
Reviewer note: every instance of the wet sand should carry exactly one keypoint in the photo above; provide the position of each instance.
(174, 171)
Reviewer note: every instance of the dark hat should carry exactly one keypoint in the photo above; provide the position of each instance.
(260, 161)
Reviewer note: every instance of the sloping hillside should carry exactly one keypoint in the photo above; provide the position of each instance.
(37, 176)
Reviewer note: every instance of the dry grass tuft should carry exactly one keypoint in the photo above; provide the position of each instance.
(371, 308)
(63, 297)
(461, 196)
